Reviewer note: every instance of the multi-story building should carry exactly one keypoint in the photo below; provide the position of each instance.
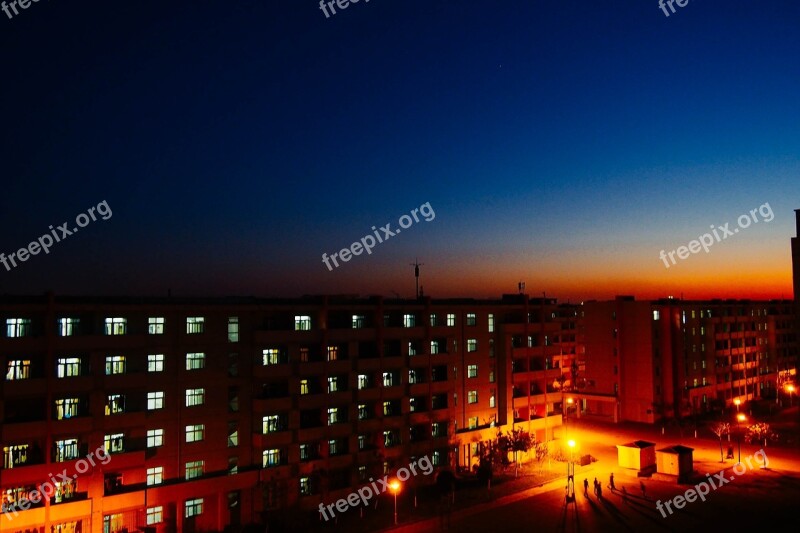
(215, 412)
(666, 358)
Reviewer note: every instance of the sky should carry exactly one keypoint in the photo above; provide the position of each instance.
(559, 144)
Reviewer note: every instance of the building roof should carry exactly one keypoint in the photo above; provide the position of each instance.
(677, 449)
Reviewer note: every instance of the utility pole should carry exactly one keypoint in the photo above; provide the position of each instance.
(416, 264)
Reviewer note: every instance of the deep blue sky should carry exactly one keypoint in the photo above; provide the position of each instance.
(564, 144)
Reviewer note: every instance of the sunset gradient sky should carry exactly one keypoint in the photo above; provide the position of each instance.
(563, 144)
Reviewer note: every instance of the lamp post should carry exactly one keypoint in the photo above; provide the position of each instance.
(737, 401)
(571, 473)
(395, 486)
(566, 416)
(790, 388)
(739, 418)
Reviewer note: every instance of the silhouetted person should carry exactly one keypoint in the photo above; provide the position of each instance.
(611, 482)
(586, 487)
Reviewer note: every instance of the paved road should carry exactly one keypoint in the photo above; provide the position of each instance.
(755, 498)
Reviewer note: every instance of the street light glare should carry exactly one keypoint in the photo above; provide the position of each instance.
(740, 417)
(737, 401)
(394, 485)
(571, 443)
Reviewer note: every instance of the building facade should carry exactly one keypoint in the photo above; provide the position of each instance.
(197, 414)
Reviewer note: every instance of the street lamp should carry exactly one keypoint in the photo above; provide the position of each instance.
(737, 401)
(395, 486)
(790, 388)
(739, 418)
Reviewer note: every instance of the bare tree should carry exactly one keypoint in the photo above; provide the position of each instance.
(720, 429)
(760, 431)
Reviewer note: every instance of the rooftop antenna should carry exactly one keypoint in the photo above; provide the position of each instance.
(416, 264)
(521, 287)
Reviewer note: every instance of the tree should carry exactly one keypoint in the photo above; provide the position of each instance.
(760, 431)
(518, 440)
(720, 429)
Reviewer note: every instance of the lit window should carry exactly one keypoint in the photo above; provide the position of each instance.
(116, 326)
(68, 367)
(194, 469)
(67, 408)
(471, 319)
(451, 319)
(271, 356)
(155, 400)
(155, 325)
(413, 376)
(306, 452)
(358, 321)
(66, 450)
(491, 400)
(472, 396)
(305, 486)
(271, 424)
(155, 438)
(194, 507)
(271, 458)
(14, 456)
(472, 345)
(233, 329)
(115, 364)
(68, 327)
(114, 443)
(302, 323)
(388, 379)
(155, 515)
(304, 355)
(473, 422)
(409, 321)
(115, 404)
(333, 353)
(195, 397)
(491, 322)
(363, 413)
(303, 386)
(362, 442)
(195, 324)
(333, 415)
(18, 369)
(195, 432)
(363, 381)
(434, 320)
(155, 362)
(333, 447)
(233, 434)
(195, 361)
(333, 384)
(472, 371)
(656, 314)
(155, 475)
(18, 327)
